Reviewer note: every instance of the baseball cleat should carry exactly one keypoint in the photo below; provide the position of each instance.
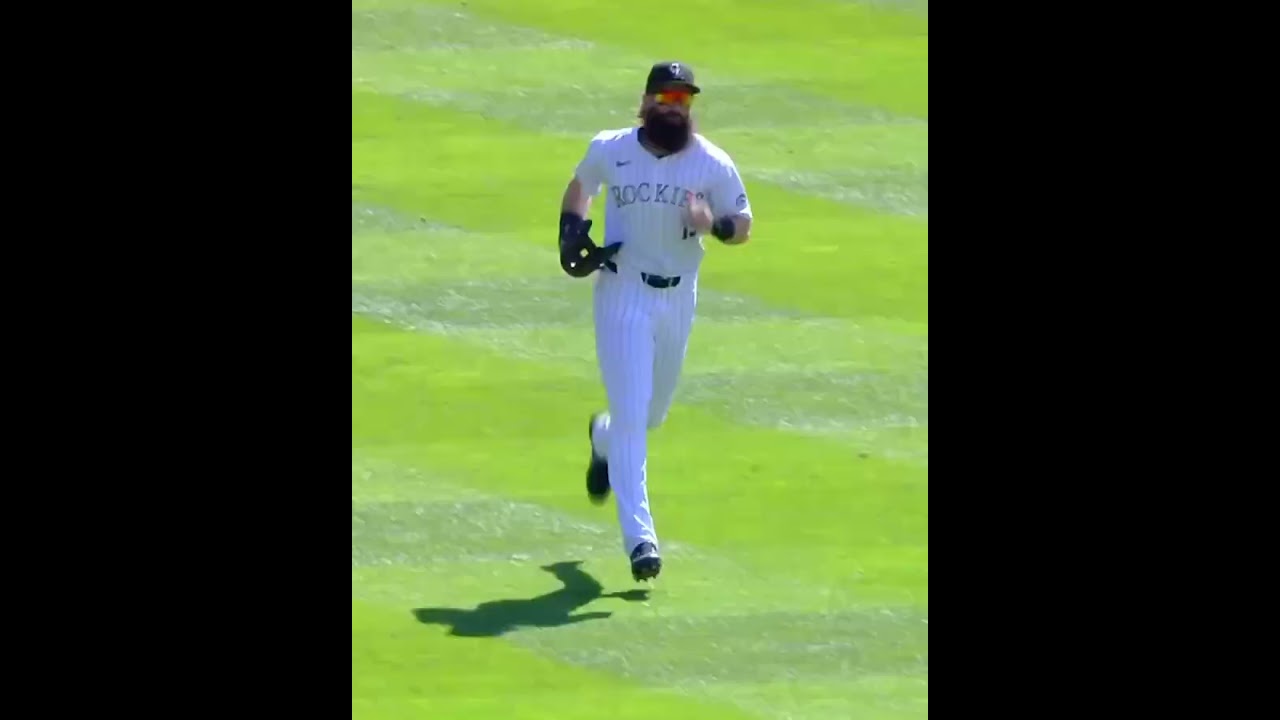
(597, 470)
(645, 563)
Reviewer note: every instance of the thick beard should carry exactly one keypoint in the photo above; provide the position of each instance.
(668, 131)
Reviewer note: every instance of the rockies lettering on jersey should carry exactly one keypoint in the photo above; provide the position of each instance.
(644, 192)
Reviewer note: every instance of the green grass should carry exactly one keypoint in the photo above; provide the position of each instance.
(790, 484)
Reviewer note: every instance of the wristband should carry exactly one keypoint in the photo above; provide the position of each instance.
(723, 228)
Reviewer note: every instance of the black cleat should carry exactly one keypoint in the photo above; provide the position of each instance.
(597, 470)
(645, 563)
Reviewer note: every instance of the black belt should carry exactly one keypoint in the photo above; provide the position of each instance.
(656, 281)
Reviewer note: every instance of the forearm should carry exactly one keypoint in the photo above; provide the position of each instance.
(575, 200)
(573, 213)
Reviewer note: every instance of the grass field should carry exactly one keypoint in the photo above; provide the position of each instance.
(790, 484)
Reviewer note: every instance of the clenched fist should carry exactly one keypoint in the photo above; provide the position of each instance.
(698, 215)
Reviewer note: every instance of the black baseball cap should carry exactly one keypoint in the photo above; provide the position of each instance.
(670, 73)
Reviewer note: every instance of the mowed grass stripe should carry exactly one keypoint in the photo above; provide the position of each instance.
(866, 401)
(401, 670)
(848, 51)
(873, 56)
(725, 625)
(399, 253)
(748, 362)
(488, 176)
(444, 57)
(517, 429)
(439, 521)
(712, 627)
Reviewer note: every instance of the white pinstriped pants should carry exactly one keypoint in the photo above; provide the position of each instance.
(642, 334)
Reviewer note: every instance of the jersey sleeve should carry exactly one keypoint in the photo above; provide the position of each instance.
(590, 170)
(728, 194)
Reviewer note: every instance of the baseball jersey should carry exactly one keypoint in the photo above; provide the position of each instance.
(646, 198)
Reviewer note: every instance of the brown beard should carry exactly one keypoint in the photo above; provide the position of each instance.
(666, 130)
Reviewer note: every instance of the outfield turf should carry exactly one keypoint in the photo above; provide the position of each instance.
(790, 484)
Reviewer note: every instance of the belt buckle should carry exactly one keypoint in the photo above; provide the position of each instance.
(660, 282)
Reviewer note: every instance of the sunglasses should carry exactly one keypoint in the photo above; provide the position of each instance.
(674, 97)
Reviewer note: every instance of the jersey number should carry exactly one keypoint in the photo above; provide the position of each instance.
(688, 233)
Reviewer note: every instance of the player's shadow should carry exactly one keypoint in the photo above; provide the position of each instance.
(552, 609)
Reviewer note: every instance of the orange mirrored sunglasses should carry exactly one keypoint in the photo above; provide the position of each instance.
(674, 97)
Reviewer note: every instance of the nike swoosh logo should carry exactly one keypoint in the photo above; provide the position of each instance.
(620, 163)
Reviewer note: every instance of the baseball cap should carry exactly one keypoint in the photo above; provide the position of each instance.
(670, 73)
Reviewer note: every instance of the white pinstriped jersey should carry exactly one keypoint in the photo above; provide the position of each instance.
(646, 198)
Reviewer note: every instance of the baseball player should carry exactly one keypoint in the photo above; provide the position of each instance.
(667, 186)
